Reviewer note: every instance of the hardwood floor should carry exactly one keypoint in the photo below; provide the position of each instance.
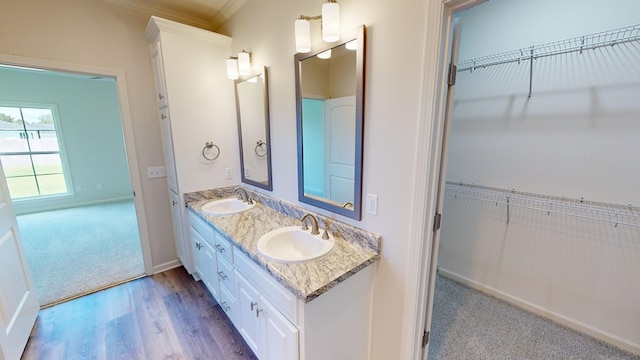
(165, 316)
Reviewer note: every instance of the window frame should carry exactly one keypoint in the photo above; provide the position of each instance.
(66, 172)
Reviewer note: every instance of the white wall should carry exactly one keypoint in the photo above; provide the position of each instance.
(577, 136)
(97, 34)
(91, 131)
(391, 113)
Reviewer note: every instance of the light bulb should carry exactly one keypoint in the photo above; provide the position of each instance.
(244, 63)
(232, 69)
(325, 54)
(330, 22)
(303, 36)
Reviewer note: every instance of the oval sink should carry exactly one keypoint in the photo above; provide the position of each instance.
(292, 245)
(226, 206)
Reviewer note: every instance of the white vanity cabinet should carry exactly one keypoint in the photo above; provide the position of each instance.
(274, 322)
(196, 104)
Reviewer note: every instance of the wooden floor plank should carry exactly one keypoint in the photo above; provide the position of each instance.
(165, 316)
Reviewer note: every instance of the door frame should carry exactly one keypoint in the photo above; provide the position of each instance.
(436, 51)
(127, 129)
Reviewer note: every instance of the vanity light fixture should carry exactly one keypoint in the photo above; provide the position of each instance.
(330, 26)
(239, 65)
(352, 45)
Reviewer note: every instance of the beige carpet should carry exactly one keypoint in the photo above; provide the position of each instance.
(78, 250)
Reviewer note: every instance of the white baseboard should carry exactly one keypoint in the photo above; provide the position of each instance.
(561, 319)
(166, 266)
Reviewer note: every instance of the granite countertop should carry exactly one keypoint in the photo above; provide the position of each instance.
(306, 280)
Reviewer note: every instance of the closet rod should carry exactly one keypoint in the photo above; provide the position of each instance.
(577, 44)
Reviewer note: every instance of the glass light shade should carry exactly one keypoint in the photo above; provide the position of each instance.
(330, 22)
(232, 69)
(244, 63)
(325, 54)
(352, 45)
(303, 36)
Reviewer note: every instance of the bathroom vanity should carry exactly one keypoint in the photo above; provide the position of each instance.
(317, 309)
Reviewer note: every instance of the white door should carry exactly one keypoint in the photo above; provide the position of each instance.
(18, 300)
(340, 149)
(433, 262)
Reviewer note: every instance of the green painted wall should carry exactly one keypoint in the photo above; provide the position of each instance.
(89, 120)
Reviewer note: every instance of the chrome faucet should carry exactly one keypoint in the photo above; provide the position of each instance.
(242, 194)
(314, 224)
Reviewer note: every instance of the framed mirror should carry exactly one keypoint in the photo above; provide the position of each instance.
(329, 111)
(252, 106)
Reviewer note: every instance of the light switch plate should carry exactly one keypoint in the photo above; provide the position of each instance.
(155, 172)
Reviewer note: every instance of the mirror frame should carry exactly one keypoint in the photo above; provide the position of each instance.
(267, 125)
(357, 34)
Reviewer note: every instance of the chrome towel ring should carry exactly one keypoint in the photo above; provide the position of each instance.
(208, 146)
(261, 149)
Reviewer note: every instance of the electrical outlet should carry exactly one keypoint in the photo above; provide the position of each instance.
(372, 204)
(98, 186)
(227, 173)
(247, 172)
(155, 172)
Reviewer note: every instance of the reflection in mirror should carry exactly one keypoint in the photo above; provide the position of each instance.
(329, 103)
(252, 104)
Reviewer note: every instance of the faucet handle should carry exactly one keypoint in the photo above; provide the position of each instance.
(304, 226)
(325, 235)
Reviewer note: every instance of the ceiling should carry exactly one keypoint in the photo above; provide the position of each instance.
(207, 14)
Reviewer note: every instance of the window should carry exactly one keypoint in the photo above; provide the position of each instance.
(30, 152)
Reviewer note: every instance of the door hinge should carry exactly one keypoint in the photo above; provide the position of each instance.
(453, 69)
(425, 338)
(436, 221)
(134, 194)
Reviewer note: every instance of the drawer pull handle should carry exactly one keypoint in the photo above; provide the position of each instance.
(254, 304)
(220, 247)
(223, 277)
(258, 311)
(160, 96)
(225, 307)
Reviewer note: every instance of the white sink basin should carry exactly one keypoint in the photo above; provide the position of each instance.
(226, 206)
(292, 245)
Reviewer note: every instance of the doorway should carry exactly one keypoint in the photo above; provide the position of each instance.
(546, 240)
(98, 169)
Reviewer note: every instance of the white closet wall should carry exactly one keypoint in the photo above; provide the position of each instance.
(577, 136)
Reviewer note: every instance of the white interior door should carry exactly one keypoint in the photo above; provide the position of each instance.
(340, 132)
(18, 300)
(455, 46)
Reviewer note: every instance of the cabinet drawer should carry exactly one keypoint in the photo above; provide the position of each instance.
(224, 247)
(202, 228)
(277, 294)
(226, 275)
(228, 304)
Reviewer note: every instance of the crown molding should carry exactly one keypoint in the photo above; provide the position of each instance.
(157, 24)
(230, 8)
(142, 7)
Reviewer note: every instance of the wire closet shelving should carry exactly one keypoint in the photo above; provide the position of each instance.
(626, 215)
(577, 44)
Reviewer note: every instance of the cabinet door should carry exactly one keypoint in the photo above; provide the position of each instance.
(196, 243)
(247, 322)
(167, 150)
(176, 219)
(158, 73)
(209, 265)
(280, 340)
